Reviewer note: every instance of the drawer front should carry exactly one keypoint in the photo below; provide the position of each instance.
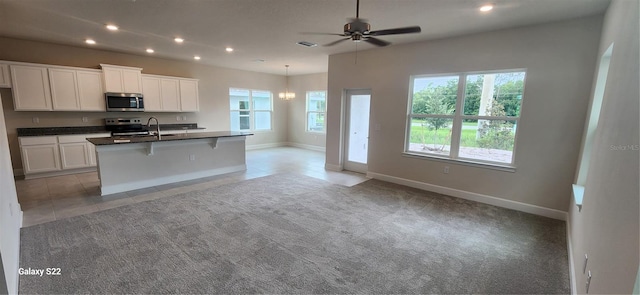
(81, 138)
(37, 140)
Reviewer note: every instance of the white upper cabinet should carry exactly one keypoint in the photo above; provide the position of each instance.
(30, 88)
(189, 95)
(122, 79)
(76, 90)
(5, 79)
(90, 91)
(151, 94)
(64, 89)
(169, 94)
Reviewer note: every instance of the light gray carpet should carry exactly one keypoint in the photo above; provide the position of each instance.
(296, 234)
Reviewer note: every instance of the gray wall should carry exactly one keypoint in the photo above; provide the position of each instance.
(10, 217)
(298, 110)
(213, 86)
(608, 227)
(559, 58)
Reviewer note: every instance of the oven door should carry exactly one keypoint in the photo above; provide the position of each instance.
(124, 102)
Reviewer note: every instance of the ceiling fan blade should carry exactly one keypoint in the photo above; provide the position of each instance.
(405, 30)
(319, 33)
(376, 41)
(337, 41)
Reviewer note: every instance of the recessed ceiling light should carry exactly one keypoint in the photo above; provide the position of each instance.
(178, 40)
(90, 41)
(149, 50)
(196, 57)
(112, 27)
(486, 8)
(229, 49)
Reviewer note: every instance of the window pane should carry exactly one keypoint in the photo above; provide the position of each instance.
(498, 94)
(430, 135)
(263, 120)
(434, 95)
(315, 122)
(238, 99)
(261, 100)
(316, 101)
(245, 123)
(239, 121)
(488, 140)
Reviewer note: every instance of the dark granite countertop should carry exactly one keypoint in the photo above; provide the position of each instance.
(171, 137)
(94, 129)
(61, 130)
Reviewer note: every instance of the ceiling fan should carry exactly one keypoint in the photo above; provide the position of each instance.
(359, 30)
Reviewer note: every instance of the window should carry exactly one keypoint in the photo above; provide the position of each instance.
(469, 117)
(316, 111)
(250, 109)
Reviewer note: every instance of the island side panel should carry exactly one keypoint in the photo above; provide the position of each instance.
(125, 167)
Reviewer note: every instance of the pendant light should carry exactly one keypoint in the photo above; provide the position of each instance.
(286, 95)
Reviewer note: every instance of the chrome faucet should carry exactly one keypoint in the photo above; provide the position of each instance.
(157, 126)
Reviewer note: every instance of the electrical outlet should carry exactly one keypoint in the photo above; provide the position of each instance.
(178, 118)
(85, 119)
(192, 157)
(35, 120)
(184, 118)
(446, 170)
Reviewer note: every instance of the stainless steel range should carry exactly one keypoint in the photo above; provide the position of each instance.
(126, 127)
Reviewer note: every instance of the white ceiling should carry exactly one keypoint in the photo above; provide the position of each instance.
(263, 29)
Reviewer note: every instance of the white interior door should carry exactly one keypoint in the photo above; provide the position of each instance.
(356, 139)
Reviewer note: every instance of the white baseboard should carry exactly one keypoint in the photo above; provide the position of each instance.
(129, 186)
(572, 270)
(331, 167)
(265, 146)
(509, 204)
(60, 173)
(307, 146)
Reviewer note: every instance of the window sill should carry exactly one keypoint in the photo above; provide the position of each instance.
(316, 132)
(492, 166)
(578, 194)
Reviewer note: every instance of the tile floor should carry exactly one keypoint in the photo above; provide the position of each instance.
(54, 198)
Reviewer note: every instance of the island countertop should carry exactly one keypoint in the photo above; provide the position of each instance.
(167, 137)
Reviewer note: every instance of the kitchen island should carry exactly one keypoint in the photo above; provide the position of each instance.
(130, 163)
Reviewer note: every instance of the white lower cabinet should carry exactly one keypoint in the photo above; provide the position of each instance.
(54, 153)
(74, 152)
(40, 154)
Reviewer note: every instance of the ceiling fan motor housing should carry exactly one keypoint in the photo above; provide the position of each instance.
(356, 27)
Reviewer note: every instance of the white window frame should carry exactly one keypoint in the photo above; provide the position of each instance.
(457, 117)
(252, 110)
(306, 118)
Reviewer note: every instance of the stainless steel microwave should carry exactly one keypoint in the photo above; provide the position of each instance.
(124, 102)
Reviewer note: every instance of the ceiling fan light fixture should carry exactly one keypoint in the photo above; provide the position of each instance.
(286, 95)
